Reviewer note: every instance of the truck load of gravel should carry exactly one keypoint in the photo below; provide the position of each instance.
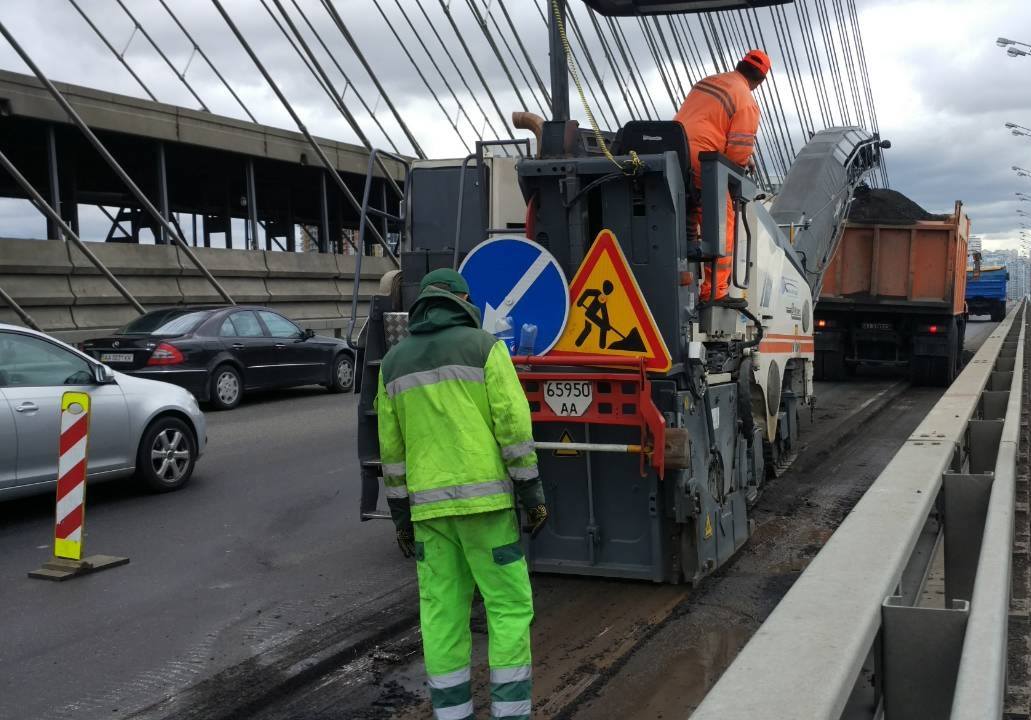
(879, 206)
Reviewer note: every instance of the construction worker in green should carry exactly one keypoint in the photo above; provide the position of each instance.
(456, 445)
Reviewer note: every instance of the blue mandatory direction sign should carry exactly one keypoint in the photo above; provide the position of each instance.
(512, 277)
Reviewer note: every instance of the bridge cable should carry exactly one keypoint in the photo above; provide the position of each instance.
(342, 27)
(157, 48)
(482, 23)
(816, 74)
(526, 55)
(629, 102)
(476, 68)
(685, 66)
(801, 97)
(832, 59)
(660, 66)
(347, 80)
(850, 69)
(461, 75)
(757, 38)
(332, 171)
(433, 61)
(206, 59)
(772, 137)
(418, 71)
(120, 56)
(633, 70)
(581, 39)
(535, 87)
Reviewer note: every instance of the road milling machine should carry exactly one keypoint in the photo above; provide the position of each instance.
(670, 440)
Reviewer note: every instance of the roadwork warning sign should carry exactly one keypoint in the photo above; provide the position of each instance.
(608, 314)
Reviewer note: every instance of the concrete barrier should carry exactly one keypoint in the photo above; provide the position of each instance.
(69, 297)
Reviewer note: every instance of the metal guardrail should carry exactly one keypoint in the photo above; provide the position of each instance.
(851, 639)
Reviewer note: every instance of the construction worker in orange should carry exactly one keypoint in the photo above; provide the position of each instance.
(720, 114)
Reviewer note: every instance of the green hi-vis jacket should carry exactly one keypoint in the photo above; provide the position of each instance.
(454, 424)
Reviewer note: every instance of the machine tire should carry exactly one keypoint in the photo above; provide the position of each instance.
(223, 379)
(173, 438)
(343, 373)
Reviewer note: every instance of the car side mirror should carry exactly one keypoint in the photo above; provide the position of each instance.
(103, 375)
(308, 334)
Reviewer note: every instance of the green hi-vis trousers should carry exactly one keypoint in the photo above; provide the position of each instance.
(454, 555)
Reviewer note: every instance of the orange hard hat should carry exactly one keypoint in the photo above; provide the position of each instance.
(759, 60)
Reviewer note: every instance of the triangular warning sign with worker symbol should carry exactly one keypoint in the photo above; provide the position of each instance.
(608, 314)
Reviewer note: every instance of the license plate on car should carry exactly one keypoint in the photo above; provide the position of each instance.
(116, 357)
(569, 398)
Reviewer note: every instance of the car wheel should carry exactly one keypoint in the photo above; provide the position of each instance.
(226, 387)
(167, 455)
(343, 373)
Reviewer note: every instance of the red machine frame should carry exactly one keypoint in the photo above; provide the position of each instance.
(620, 398)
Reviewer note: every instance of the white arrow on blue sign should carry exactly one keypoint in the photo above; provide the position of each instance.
(515, 277)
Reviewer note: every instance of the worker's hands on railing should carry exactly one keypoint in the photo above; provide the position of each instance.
(406, 540)
(536, 516)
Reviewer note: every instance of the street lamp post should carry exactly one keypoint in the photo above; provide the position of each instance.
(1018, 129)
(1011, 47)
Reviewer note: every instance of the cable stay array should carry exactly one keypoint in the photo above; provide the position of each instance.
(476, 61)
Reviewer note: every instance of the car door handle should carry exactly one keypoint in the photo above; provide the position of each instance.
(237, 346)
(280, 346)
(27, 407)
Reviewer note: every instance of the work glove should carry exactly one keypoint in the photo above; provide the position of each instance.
(406, 540)
(536, 516)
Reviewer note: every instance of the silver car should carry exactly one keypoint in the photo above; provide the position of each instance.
(149, 428)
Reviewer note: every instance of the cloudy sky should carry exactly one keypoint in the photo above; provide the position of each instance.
(943, 89)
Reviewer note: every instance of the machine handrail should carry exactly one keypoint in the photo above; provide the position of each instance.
(374, 161)
(805, 660)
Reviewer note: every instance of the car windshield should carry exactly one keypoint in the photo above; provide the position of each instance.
(164, 322)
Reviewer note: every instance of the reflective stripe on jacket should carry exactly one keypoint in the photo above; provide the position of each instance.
(454, 422)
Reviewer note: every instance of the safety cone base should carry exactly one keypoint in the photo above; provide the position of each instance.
(59, 569)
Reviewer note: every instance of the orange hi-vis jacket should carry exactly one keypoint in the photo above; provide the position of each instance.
(720, 114)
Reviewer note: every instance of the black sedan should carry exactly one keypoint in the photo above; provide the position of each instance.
(220, 352)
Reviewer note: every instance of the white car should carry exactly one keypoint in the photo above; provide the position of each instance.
(144, 427)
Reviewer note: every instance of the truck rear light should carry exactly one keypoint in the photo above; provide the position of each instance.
(166, 354)
(933, 329)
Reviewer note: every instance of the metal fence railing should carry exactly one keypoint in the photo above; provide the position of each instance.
(852, 639)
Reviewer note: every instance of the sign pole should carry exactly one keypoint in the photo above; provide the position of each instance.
(73, 451)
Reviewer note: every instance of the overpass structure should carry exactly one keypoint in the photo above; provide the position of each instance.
(246, 196)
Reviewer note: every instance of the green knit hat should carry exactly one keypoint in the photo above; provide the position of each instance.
(448, 279)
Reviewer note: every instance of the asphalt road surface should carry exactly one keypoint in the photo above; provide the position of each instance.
(260, 566)
(264, 543)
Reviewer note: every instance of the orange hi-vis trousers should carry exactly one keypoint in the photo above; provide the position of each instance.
(725, 264)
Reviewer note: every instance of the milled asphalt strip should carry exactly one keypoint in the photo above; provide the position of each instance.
(818, 450)
(815, 454)
(238, 692)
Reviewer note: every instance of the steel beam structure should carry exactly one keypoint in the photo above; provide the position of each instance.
(112, 163)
